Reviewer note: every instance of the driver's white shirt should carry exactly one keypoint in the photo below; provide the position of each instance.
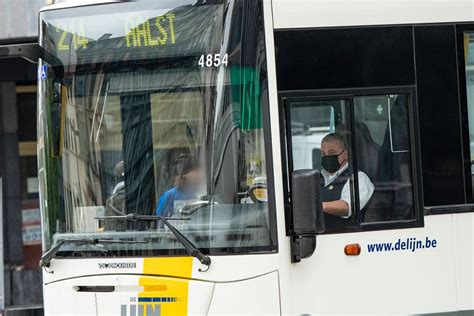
(366, 187)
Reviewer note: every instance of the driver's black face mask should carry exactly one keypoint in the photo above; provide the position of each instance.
(330, 163)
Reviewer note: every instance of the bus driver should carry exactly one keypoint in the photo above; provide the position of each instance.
(336, 191)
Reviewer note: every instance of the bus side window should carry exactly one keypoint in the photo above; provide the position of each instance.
(310, 122)
(383, 139)
(469, 64)
(319, 146)
(373, 137)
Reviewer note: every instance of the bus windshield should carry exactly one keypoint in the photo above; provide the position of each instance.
(154, 109)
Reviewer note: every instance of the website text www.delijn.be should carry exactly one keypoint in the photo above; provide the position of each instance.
(408, 244)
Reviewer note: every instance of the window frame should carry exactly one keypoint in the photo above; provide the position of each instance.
(461, 29)
(286, 97)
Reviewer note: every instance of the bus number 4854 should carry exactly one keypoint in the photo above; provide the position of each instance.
(213, 60)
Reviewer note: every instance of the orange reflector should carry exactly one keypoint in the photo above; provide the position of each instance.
(352, 250)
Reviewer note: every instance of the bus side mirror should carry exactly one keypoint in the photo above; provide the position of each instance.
(307, 212)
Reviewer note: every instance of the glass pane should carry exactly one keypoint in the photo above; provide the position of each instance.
(469, 59)
(320, 139)
(152, 131)
(29, 177)
(310, 122)
(26, 116)
(382, 138)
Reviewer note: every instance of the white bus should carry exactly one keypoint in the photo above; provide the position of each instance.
(166, 163)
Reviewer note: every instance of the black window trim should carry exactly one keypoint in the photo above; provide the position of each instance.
(449, 209)
(309, 95)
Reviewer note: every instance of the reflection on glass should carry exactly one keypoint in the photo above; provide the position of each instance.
(152, 132)
(320, 139)
(323, 135)
(469, 60)
(310, 122)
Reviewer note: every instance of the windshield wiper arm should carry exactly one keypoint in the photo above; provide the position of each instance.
(189, 209)
(191, 248)
(51, 253)
(138, 217)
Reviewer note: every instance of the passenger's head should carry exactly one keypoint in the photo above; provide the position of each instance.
(188, 175)
(333, 152)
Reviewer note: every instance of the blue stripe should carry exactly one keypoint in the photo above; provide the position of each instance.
(157, 299)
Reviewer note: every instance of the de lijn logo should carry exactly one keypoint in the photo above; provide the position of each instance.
(149, 306)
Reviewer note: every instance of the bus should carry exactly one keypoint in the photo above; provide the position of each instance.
(167, 170)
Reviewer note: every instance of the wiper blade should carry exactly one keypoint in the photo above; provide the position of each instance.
(138, 217)
(189, 209)
(191, 248)
(51, 253)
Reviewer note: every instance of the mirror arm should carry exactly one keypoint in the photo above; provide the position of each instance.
(302, 247)
(30, 52)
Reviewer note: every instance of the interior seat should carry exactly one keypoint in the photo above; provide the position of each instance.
(367, 149)
(393, 196)
(368, 152)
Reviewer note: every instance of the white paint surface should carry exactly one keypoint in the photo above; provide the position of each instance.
(336, 13)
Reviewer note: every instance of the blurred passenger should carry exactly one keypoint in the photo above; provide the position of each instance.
(187, 180)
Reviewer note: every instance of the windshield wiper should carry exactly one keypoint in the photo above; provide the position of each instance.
(51, 253)
(189, 209)
(191, 248)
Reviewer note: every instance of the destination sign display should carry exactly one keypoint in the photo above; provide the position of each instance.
(186, 30)
(139, 32)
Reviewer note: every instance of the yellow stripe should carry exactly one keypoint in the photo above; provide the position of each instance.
(170, 266)
(171, 280)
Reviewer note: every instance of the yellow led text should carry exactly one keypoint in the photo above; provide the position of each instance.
(70, 38)
(151, 32)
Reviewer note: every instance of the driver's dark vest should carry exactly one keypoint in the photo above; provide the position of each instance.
(332, 192)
